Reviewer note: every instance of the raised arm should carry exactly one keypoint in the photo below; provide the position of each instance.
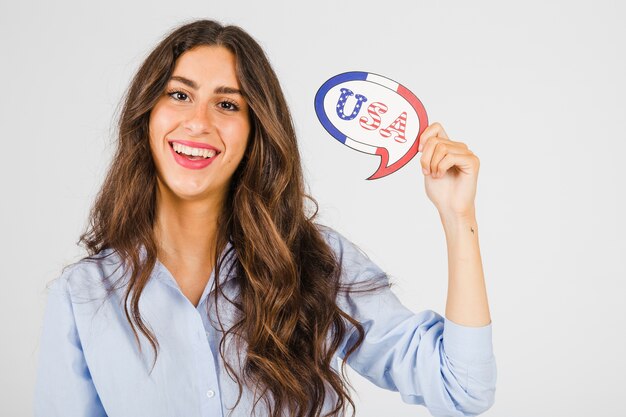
(451, 175)
(428, 359)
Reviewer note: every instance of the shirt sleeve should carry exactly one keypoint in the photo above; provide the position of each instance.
(428, 359)
(64, 386)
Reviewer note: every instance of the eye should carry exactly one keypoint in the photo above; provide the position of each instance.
(177, 95)
(228, 105)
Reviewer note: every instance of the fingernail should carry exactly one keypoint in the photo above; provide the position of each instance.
(425, 171)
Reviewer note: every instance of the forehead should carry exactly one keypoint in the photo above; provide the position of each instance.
(207, 64)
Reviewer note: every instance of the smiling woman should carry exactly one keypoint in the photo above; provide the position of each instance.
(208, 287)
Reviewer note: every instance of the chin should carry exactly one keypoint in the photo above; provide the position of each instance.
(196, 193)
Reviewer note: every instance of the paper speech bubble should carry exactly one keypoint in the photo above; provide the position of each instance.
(372, 114)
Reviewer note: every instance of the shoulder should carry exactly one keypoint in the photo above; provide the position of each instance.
(355, 263)
(89, 277)
(337, 241)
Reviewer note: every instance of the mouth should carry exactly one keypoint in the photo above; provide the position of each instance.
(193, 157)
(193, 151)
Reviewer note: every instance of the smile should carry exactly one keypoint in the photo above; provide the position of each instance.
(193, 157)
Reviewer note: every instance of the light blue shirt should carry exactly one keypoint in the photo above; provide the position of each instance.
(89, 363)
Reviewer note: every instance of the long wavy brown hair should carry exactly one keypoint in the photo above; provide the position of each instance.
(287, 274)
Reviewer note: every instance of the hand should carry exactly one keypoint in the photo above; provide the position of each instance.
(450, 172)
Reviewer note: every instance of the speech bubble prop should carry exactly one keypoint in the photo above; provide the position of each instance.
(372, 114)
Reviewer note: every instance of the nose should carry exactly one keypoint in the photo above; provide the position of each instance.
(198, 122)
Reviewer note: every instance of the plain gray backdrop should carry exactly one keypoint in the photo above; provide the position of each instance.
(535, 89)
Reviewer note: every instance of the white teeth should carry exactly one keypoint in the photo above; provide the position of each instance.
(188, 150)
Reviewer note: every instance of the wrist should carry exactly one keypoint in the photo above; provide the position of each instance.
(457, 218)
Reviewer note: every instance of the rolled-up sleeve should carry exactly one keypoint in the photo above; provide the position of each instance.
(64, 386)
(428, 359)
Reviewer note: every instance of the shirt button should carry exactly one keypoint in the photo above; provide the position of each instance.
(210, 393)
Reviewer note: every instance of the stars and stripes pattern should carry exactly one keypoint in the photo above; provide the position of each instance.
(398, 126)
(345, 93)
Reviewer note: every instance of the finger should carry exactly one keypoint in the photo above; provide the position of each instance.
(435, 129)
(427, 153)
(441, 151)
(465, 162)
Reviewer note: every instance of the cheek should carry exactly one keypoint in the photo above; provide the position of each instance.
(162, 120)
(237, 134)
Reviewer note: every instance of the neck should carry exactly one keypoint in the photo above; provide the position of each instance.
(186, 230)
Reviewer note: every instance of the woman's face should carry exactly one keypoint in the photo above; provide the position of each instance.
(201, 113)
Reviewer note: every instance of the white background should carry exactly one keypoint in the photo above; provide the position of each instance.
(536, 89)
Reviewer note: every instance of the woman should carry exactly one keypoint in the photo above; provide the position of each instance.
(208, 288)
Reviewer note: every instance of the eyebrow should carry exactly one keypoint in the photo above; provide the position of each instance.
(218, 90)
